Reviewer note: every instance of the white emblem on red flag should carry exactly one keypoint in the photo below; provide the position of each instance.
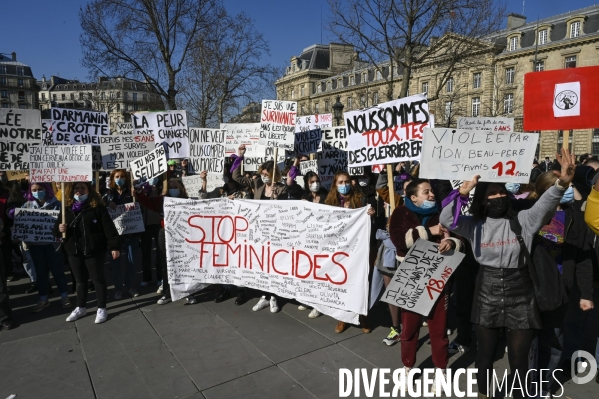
(566, 99)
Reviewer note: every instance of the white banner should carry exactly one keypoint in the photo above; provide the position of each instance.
(421, 277)
(238, 134)
(277, 124)
(74, 126)
(387, 133)
(19, 129)
(193, 185)
(293, 249)
(149, 166)
(119, 150)
(60, 163)
(312, 122)
(451, 154)
(34, 225)
(486, 123)
(169, 129)
(566, 99)
(207, 149)
(127, 218)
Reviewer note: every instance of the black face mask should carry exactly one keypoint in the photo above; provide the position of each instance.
(496, 207)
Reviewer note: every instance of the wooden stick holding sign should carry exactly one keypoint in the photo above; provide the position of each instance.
(64, 219)
(390, 184)
(97, 181)
(274, 170)
(132, 191)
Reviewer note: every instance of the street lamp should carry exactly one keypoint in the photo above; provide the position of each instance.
(338, 110)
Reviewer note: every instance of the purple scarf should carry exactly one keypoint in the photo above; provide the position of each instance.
(78, 206)
(460, 202)
(237, 160)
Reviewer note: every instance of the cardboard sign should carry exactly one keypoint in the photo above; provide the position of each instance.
(149, 166)
(313, 122)
(19, 129)
(60, 163)
(118, 151)
(34, 225)
(421, 277)
(452, 154)
(306, 142)
(127, 218)
(193, 185)
(484, 123)
(387, 133)
(261, 154)
(74, 126)
(293, 249)
(309, 166)
(207, 148)
(277, 124)
(16, 174)
(238, 134)
(169, 129)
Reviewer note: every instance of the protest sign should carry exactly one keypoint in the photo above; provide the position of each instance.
(19, 129)
(301, 250)
(277, 124)
(60, 163)
(306, 142)
(313, 122)
(193, 185)
(169, 129)
(74, 126)
(127, 218)
(48, 139)
(388, 132)
(119, 150)
(13, 154)
(452, 154)
(485, 123)
(124, 128)
(151, 165)
(16, 174)
(34, 225)
(261, 154)
(238, 134)
(207, 149)
(309, 166)
(421, 277)
(47, 132)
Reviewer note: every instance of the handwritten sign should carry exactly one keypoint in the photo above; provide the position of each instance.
(421, 277)
(306, 142)
(16, 174)
(310, 252)
(127, 218)
(19, 129)
(453, 154)
(34, 225)
(484, 123)
(309, 166)
(124, 128)
(207, 148)
(312, 122)
(60, 163)
(73, 126)
(48, 132)
(261, 154)
(193, 185)
(388, 132)
(277, 124)
(169, 129)
(118, 151)
(149, 166)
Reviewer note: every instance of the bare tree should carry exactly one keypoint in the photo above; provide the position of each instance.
(403, 33)
(145, 40)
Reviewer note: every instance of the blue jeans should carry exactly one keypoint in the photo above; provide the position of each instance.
(131, 248)
(46, 260)
(597, 353)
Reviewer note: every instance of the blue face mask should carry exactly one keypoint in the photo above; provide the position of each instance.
(40, 195)
(428, 204)
(153, 181)
(343, 189)
(120, 182)
(568, 196)
(512, 187)
(80, 198)
(173, 192)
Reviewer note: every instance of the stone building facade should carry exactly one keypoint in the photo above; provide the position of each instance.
(489, 82)
(17, 84)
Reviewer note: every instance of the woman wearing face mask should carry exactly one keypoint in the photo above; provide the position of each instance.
(175, 189)
(186, 168)
(314, 192)
(119, 193)
(504, 293)
(89, 233)
(152, 227)
(342, 194)
(419, 218)
(45, 258)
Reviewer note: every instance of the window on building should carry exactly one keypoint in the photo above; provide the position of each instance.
(134, 86)
(21, 95)
(509, 75)
(560, 140)
(118, 94)
(81, 96)
(111, 95)
(327, 106)
(339, 83)
(575, 29)
(476, 80)
(4, 94)
(447, 110)
(22, 106)
(449, 85)
(20, 71)
(595, 143)
(303, 110)
(362, 101)
(425, 87)
(508, 103)
(352, 80)
(102, 108)
(102, 96)
(3, 69)
(350, 103)
(302, 91)
(476, 106)
(144, 97)
(379, 75)
(319, 87)
(571, 62)
(513, 44)
(365, 77)
(134, 96)
(72, 96)
(126, 94)
(292, 94)
(375, 98)
(543, 36)
(316, 108)
(118, 107)
(3, 82)
(4, 105)
(539, 66)
(43, 96)
(135, 107)
(20, 83)
(53, 97)
(63, 97)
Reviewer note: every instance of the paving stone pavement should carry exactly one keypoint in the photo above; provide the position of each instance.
(206, 350)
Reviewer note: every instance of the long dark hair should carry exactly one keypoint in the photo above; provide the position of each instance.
(479, 202)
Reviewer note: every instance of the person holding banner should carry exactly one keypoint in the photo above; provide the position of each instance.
(417, 219)
(314, 192)
(88, 232)
(343, 195)
(45, 257)
(119, 193)
(504, 292)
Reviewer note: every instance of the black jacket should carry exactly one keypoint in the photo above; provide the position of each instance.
(112, 196)
(90, 233)
(307, 195)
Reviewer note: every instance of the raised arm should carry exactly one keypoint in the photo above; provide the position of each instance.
(451, 216)
(236, 173)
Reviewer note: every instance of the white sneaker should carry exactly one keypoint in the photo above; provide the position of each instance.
(424, 324)
(262, 303)
(101, 315)
(164, 300)
(403, 382)
(448, 331)
(118, 295)
(77, 314)
(274, 307)
(144, 284)
(302, 307)
(314, 314)
(159, 288)
(192, 300)
(434, 387)
(133, 292)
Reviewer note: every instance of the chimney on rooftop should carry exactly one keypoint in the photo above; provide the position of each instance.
(515, 21)
(14, 56)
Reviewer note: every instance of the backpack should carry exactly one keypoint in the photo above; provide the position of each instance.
(550, 291)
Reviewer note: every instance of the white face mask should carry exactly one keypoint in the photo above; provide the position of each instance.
(363, 182)
(314, 187)
(265, 179)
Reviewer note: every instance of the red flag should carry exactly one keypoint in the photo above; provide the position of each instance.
(562, 99)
